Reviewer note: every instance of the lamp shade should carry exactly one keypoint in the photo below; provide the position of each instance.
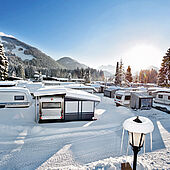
(144, 126)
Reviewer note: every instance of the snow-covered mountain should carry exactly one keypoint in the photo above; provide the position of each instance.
(19, 52)
(70, 63)
(109, 70)
(153, 67)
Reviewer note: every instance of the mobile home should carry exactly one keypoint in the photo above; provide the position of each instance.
(122, 98)
(14, 97)
(64, 104)
(141, 100)
(163, 98)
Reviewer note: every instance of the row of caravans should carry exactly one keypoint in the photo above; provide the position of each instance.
(51, 103)
(140, 99)
(134, 99)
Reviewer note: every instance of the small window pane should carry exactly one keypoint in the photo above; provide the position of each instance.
(160, 96)
(168, 97)
(51, 105)
(18, 97)
(118, 97)
(127, 97)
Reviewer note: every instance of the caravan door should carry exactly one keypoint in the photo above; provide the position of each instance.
(51, 108)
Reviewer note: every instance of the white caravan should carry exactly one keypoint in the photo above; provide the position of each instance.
(122, 98)
(163, 98)
(14, 97)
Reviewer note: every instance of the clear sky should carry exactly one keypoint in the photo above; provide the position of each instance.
(94, 32)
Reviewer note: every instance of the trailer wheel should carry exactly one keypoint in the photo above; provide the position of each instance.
(117, 105)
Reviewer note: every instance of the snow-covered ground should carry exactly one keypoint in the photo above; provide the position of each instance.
(82, 144)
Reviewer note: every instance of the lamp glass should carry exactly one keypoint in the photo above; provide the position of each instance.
(135, 139)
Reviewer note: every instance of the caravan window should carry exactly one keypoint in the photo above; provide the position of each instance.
(127, 97)
(51, 105)
(160, 96)
(18, 97)
(118, 97)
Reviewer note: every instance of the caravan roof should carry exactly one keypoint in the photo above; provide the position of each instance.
(111, 88)
(70, 93)
(142, 94)
(15, 90)
(121, 92)
(7, 83)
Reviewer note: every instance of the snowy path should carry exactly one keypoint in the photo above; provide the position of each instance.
(82, 144)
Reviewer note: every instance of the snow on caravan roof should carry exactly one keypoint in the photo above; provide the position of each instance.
(122, 92)
(25, 90)
(7, 83)
(17, 90)
(32, 86)
(113, 88)
(80, 86)
(70, 93)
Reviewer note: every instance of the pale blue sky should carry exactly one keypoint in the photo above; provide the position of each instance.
(94, 32)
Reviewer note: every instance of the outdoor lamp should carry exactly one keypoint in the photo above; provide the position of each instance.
(137, 128)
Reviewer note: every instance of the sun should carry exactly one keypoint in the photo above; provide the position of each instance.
(141, 56)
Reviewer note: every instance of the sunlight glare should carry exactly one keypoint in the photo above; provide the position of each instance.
(142, 56)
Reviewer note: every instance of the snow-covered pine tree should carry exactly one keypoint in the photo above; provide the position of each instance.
(122, 73)
(87, 75)
(164, 72)
(21, 71)
(117, 75)
(3, 64)
(128, 74)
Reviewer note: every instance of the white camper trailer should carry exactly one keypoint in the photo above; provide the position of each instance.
(163, 98)
(122, 98)
(14, 97)
(58, 103)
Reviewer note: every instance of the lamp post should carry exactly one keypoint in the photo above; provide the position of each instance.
(137, 128)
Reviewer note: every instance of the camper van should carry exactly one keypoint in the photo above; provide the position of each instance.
(14, 97)
(163, 98)
(122, 98)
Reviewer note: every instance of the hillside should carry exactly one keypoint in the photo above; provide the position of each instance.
(70, 63)
(19, 52)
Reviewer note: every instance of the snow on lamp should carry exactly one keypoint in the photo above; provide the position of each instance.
(137, 128)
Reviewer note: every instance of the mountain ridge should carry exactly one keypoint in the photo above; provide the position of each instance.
(71, 63)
